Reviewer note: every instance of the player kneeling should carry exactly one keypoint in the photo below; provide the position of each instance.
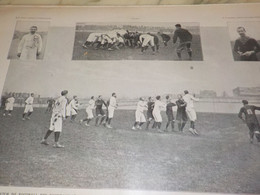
(139, 114)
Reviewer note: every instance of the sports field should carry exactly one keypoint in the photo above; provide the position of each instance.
(165, 53)
(221, 159)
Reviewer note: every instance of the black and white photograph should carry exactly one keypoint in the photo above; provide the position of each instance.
(29, 40)
(138, 41)
(119, 126)
(129, 100)
(245, 40)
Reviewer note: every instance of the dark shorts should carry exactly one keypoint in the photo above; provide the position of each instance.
(150, 115)
(100, 112)
(170, 116)
(181, 116)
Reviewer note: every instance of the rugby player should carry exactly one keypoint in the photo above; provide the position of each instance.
(146, 40)
(156, 41)
(245, 46)
(30, 45)
(99, 110)
(190, 111)
(139, 114)
(181, 115)
(58, 114)
(250, 119)
(158, 105)
(111, 109)
(166, 38)
(89, 111)
(74, 106)
(150, 106)
(28, 106)
(169, 113)
(185, 38)
(9, 105)
(50, 103)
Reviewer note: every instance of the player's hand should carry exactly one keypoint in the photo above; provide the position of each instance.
(19, 55)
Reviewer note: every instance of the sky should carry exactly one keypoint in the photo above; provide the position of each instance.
(25, 26)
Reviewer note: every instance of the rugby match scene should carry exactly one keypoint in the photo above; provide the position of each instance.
(140, 41)
(106, 127)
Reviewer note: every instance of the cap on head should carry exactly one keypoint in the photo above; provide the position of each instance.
(64, 92)
(113, 94)
(178, 25)
(92, 97)
(245, 102)
(158, 97)
(32, 94)
(186, 91)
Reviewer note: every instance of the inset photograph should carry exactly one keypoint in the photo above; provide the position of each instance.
(137, 41)
(245, 40)
(29, 40)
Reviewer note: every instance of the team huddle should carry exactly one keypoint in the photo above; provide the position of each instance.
(120, 38)
(62, 109)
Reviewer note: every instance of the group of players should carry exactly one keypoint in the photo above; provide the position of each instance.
(117, 39)
(62, 109)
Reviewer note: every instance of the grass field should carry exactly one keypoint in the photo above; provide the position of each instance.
(221, 159)
(165, 53)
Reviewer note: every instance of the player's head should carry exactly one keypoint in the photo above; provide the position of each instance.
(141, 99)
(64, 93)
(241, 31)
(186, 92)
(114, 94)
(32, 94)
(33, 29)
(179, 96)
(158, 97)
(245, 102)
(74, 97)
(92, 97)
(178, 26)
(167, 97)
(100, 97)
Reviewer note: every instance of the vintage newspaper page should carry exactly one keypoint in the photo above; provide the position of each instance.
(130, 100)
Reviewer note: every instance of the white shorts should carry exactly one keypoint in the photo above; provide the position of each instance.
(139, 117)
(9, 106)
(148, 40)
(157, 116)
(28, 108)
(191, 114)
(73, 111)
(111, 111)
(89, 113)
(56, 122)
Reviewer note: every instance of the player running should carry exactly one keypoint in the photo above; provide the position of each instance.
(99, 110)
(190, 111)
(250, 119)
(185, 38)
(158, 106)
(169, 113)
(28, 110)
(111, 109)
(181, 115)
(58, 114)
(150, 107)
(9, 106)
(139, 114)
(89, 111)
